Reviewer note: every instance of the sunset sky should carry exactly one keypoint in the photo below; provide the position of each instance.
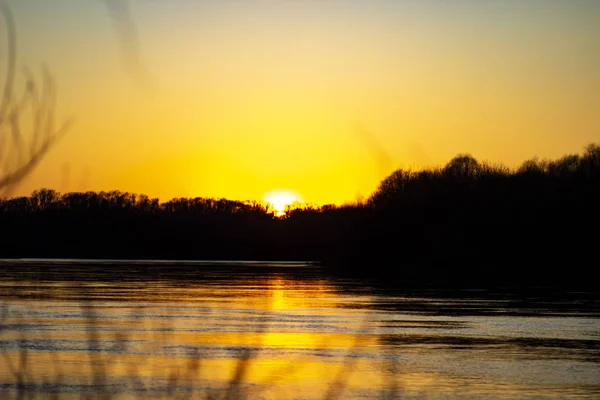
(323, 97)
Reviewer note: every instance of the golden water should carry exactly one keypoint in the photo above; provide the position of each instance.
(83, 330)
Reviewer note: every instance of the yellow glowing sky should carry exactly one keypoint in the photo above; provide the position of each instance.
(323, 98)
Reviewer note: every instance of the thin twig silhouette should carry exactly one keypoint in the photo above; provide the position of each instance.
(21, 151)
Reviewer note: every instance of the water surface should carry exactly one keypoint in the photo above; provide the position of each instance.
(127, 329)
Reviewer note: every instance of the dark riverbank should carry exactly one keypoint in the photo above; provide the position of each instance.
(468, 222)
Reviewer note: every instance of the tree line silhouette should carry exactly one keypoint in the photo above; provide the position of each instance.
(467, 220)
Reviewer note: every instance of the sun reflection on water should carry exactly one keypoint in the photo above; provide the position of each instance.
(267, 335)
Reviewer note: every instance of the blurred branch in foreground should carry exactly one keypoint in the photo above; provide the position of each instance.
(27, 120)
(127, 34)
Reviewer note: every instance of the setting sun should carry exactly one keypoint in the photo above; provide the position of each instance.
(281, 198)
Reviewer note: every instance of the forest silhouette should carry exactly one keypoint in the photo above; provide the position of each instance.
(465, 221)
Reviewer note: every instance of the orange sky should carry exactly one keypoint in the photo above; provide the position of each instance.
(324, 98)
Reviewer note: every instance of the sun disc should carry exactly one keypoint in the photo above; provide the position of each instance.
(281, 198)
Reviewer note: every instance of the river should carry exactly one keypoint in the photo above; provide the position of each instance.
(133, 329)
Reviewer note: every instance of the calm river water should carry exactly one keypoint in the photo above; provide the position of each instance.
(83, 329)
